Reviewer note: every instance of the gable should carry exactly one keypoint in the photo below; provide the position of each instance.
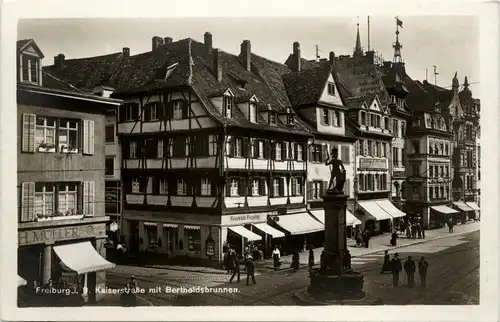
(30, 47)
(330, 93)
(375, 105)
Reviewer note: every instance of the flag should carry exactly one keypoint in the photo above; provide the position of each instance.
(399, 22)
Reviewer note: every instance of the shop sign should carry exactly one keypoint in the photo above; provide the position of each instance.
(244, 218)
(375, 164)
(51, 235)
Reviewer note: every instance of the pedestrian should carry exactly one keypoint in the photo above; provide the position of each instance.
(408, 230)
(419, 230)
(225, 261)
(396, 268)
(424, 228)
(359, 238)
(366, 238)
(410, 271)
(236, 268)
(394, 238)
(311, 257)
(422, 271)
(250, 268)
(276, 257)
(450, 225)
(295, 260)
(386, 267)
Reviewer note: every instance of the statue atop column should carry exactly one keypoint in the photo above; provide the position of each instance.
(337, 172)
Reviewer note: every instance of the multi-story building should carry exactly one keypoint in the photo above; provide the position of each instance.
(213, 152)
(370, 116)
(313, 90)
(61, 228)
(429, 151)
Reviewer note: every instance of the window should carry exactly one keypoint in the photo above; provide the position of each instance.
(129, 112)
(136, 187)
(436, 171)
(228, 106)
(133, 149)
(177, 110)
(326, 117)
(255, 187)
(386, 123)
(233, 189)
(331, 89)
(66, 198)
(34, 70)
(336, 119)
(395, 127)
(253, 113)
(370, 148)
(45, 132)
(237, 147)
(384, 150)
(316, 150)
(260, 145)
(431, 171)
(162, 187)
(378, 151)
(212, 147)
(361, 184)
(206, 187)
(296, 186)
(316, 190)
(403, 128)
(363, 118)
(441, 171)
(30, 66)
(68, 136)
(272, 117)
(159, 149)
(278, 148)
(395, 161)
(110, 164)
(44, 199)
(441, 190)
(181, 187)
(276, 187)
(110, 133)
(151, 112)
(299, 153)
(290, 119)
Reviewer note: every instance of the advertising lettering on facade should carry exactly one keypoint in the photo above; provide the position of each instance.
(373, 164)
(50, 235)
(243, 218)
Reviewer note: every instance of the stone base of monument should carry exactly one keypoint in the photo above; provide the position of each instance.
(327, 289)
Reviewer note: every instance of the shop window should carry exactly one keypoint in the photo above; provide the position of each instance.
(193, 237)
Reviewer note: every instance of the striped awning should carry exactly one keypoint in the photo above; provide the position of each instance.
(166, 225)
(191, 227)
(148, 223)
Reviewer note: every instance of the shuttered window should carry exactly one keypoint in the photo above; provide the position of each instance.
(28, 139)
(88, 137)
(88, 197)
(27, 201)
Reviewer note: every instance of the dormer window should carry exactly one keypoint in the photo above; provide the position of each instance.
(228, 106)
(272, 117)
(253, 112)
(331, 89)
(30, 69)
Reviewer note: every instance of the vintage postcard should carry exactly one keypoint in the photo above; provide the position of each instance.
(248, 167)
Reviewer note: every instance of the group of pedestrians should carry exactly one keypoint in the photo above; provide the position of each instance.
(363, 238)
(414, 229)
(410, 267)
(233, 264)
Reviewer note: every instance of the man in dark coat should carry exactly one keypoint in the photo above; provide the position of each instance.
(235, 268)
(410, 271)
(386, 267)
(250, 268)
(395, 268)
(422, 271)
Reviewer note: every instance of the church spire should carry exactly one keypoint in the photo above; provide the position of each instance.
(397, 45)
(358, 51)
(466, 83)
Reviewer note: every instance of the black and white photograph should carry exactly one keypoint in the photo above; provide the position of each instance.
(250, 161)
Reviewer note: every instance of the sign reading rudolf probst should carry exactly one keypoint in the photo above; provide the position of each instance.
(48, 235)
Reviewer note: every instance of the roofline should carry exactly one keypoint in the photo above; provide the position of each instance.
(67, 94)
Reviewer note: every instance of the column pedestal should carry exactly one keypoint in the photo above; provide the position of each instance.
(47, 263)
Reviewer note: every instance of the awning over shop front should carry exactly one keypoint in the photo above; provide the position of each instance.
(372, 208)
(21, 281)
(170, 225)
(243, 232)
(269, 230)
(82, 257)
(191, 227)
(390, 208)
(473, 205)
(350, 220)
(462, 206)
(444, 210)
(300, 223)
(150, 224)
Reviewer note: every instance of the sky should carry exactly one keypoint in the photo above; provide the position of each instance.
(448, 42)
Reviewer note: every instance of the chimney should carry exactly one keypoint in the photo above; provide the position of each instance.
(217, 65)
(126, 52)
(157, 42)
(59, 60)
(246, 54)
(332, 57)
(208, 42)
(296, 55)
(167, 40)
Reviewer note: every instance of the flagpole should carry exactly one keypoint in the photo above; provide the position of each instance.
(368, 33)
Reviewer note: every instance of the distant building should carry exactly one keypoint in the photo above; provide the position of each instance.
(60, 180)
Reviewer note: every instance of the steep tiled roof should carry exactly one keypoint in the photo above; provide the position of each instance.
(418, 98)
(305, 87)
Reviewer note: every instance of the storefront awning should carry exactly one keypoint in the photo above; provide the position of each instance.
(301, 223)
(82, 257)
(350, 220)
(444, 210)
(269, 230)
(390, 208)
(191, 227)
(462, 206)
(21, 281)
(372, 208)
(473, 205)
(170, 225)
(148, 223)
(243, 232)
